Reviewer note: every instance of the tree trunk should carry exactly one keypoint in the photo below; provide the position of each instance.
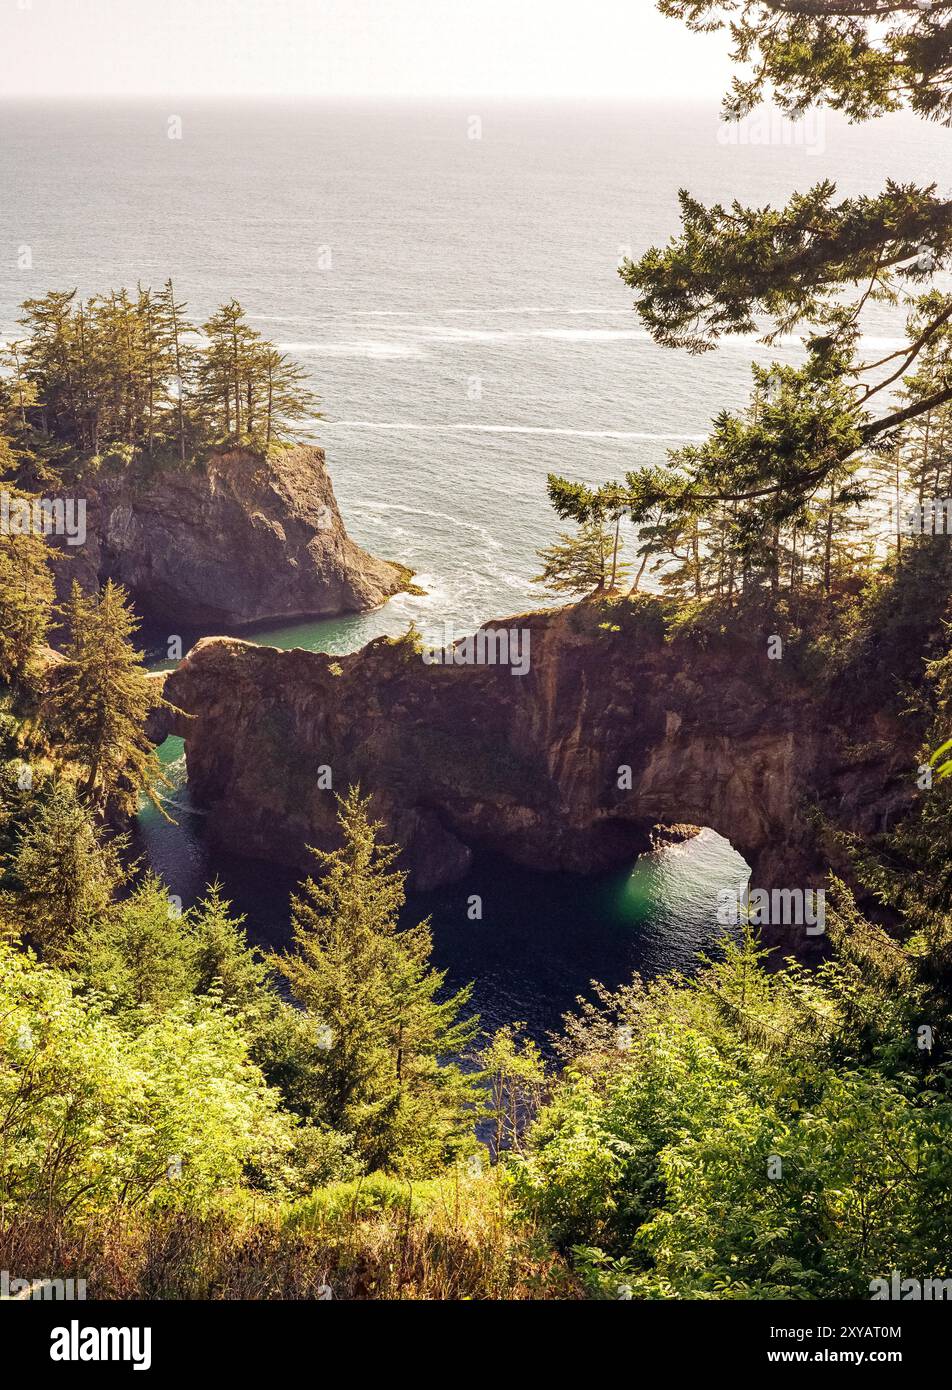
(644, 561)
(178, 372)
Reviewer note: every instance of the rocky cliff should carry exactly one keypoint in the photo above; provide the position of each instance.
(233, 541)
(613, 728)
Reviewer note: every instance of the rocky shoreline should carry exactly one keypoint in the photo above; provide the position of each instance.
(235, 540)
(614, 731)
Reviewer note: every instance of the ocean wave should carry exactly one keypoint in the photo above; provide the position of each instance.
(465, 427)
(181, 806)
(418, 336)
(176, 770)
(486, 535)
(350, 314)
(373, 349)
(791, 341)
(413, 338)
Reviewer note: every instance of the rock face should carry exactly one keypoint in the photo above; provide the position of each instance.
(235, 541)
(613, 729)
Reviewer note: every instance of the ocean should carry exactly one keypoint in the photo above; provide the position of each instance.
(446, 273)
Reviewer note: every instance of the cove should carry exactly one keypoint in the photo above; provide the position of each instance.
(541, 938)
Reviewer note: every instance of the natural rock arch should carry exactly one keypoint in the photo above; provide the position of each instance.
(457, 756)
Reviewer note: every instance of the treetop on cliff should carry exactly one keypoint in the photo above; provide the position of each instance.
(126, 375)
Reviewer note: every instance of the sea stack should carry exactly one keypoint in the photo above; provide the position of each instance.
(241, 538)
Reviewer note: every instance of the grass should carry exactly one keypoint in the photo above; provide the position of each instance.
(378, 1237)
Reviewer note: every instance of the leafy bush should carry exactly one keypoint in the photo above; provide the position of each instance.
(97, 1115)
(764, 1136)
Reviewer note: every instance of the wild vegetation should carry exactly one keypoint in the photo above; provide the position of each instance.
(181, 1116)
(122, 378)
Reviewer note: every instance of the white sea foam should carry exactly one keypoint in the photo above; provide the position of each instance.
(486, 535)
(414, 426)
(415, 339)
(596, 310)
(356, 349)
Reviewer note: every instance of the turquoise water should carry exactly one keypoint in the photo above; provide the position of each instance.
(542, 937)
(456, 307)
(336, 635)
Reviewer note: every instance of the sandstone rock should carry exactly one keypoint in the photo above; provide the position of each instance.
(611, 732)
(237, 540)
(663, 836)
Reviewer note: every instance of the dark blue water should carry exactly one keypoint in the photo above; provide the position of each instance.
(541, 937)
(456, 305)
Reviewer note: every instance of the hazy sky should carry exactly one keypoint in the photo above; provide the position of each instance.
(574, 48)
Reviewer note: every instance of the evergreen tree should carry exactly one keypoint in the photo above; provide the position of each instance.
(225, 963)
(21, 393)
(389, 1075)
(100, 699)
(174, 328)
(157, 363)
(253, 390)
(225, 370)
(582, 563)
(140, 953)
(863, 57)
(581, 504)
(61, 877)
(26, 602)
(51, 361)
(284, 396)
(816, 264)
(119, 374)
